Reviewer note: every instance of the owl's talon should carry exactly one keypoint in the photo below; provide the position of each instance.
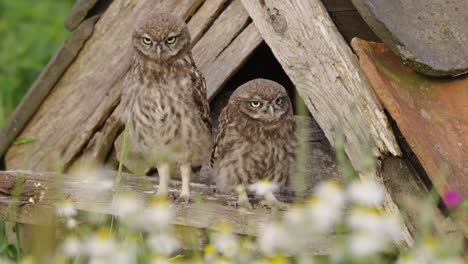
(240, 204)
(184, 198)
(274, 204)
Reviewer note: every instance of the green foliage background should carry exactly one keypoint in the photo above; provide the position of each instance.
(30, 33)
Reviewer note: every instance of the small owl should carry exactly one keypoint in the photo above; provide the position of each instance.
(165, 101)
(256, 140)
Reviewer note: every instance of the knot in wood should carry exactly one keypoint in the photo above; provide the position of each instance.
(277, 20)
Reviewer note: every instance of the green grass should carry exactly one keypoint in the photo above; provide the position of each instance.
(30, 33)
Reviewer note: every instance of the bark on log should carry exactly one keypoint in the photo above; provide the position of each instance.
(327, 76)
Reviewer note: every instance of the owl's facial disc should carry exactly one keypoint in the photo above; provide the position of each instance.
(266, 110)
(159, 48)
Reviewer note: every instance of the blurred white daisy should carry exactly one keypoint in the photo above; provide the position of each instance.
(158, 214)
(371, 220)
(273, 238)
(71, 223)
(331, 192)
(226, 243)
(363, 244)
(366, 192)
(102, 243)
(163, 243)
(65, 208)
(71, 247)
(364, 219)
(323, 214)
(128, 204)
(263, 187)
(160, 260)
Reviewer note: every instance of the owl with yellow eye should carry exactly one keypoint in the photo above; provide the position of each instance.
(256, 140)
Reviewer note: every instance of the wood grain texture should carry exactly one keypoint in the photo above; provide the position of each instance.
(223, 31)
(226, 64)
(101, 143)
(78, 13)
(44, 84)
(202, 19)
(41, 191)
(327, 76)
(90, 89)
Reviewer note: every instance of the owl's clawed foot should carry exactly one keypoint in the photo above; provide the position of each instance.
(184, 198)
(242, 202)
(274, 204)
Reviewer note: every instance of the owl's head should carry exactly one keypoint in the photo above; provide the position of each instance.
(262, 100)
(161, 37)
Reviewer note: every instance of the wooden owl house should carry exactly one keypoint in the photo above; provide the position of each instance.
(71, 114)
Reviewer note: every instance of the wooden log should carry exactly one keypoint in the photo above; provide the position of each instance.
(44, 84)
(327, 76)
(42, 191)
(78, 13)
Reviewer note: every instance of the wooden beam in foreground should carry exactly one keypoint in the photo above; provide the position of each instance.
(41, 191)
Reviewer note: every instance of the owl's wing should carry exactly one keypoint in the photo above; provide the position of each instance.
(219, 147)
(129, 91)
(199, 96)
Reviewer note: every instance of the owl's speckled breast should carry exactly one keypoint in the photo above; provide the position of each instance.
(166, 123)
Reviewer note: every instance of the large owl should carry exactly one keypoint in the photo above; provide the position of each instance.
(165, 101)
(256, 140)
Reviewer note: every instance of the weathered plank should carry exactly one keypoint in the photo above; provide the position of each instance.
(431, 114)
(231, 59)
(44, 84)
(201, 20)
(224, 29)
(41, 191)
(327, 76)
(87, 92)
(102, 142)
(78, 13)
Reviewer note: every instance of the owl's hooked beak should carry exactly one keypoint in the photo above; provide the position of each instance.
(271, 110)
(158, 51)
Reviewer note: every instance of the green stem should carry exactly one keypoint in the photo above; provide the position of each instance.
(123, 156)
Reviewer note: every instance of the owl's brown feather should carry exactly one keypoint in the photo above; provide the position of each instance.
(200, 95)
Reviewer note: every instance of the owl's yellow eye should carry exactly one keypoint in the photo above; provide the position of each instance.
(279, 101)
(255, 104)
(147, 41)
(171, 40)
